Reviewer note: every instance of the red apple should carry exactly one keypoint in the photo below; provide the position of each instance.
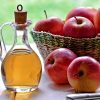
(56, 64)
(84, 74)
(79, 27)
(87, 12)
(53, 25)
(97, 21)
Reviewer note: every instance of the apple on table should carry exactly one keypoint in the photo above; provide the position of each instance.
(84, 74)
(56, 64)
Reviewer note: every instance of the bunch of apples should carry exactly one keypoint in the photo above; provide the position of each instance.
(64, 67)
(80, 22)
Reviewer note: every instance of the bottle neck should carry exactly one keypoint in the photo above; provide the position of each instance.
(21, 40)
(21, 33)
(20, 37)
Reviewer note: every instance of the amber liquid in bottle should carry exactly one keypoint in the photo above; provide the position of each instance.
(21, 70)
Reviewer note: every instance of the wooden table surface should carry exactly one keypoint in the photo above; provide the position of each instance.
(46, 90)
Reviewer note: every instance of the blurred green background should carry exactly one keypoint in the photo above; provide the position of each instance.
(35, 9)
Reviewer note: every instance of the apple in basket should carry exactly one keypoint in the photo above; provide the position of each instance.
(87, 12)
(56, 64)
(52, 25)
(79, 27)
(84, 74)
(97, 21)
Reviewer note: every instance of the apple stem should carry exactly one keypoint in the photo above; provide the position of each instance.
(76, 19)
(45, 14)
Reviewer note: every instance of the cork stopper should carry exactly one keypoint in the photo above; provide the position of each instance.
(20, 15)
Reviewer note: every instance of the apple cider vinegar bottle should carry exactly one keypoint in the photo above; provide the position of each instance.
(21, 68)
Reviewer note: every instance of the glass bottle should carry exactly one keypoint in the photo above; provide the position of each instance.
(21, 67)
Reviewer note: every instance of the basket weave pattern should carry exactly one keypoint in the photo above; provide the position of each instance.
(47, 42)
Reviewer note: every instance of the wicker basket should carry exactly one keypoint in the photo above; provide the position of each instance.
(47, 42)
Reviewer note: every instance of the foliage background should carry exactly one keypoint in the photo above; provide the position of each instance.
(35, 9)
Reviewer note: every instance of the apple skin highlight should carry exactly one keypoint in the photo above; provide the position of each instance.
(84, 74)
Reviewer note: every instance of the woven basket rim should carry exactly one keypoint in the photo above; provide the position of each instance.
(50, 34)
(47, 42)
